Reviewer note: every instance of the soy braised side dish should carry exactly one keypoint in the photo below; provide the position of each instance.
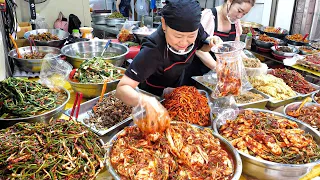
(310, 115)
(181, 152)
(61, 149)
(110, 111)
(24, 98)
(294, 79)
(35, 55)
(270, 137)
(46, 36)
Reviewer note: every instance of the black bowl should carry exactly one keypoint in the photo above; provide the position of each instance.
(296, 43)
(281, 35)
(267, 45)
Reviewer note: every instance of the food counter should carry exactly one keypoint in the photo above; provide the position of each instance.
(260, 144)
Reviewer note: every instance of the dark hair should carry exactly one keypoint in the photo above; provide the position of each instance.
(252, 2)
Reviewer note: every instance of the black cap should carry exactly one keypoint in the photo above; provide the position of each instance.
(182, 15)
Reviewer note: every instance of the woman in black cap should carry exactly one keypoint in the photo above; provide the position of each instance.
(222, 21)
(167, 52)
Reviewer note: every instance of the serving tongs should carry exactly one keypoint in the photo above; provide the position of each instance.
(305, 36)
(104, 88)
(15, 46)
(76, 104)
(32, 44)
(296, 113)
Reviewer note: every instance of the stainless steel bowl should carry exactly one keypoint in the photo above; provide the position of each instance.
(267, 45)
(294, 51)
(100, 18)
(228, 147)
(62, 35)
(45, 117)
(313, 97)
(91, 90)
(295, 105)
(266, 170)
(31, 65)
(281, 35)
(113, 21)
(141, 33)
(75, 52)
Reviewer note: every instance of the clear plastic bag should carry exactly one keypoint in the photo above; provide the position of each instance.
(54, 71)
(210, 79)
(150, 116)
(232, 78)
(125, 33)
(224, 109)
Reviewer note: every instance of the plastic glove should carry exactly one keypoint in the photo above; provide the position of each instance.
(150, 116)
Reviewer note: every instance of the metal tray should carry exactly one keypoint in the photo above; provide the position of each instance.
(86, 109)
(263, 169)
(277, 103)
(310, 94)
(258, 104)
(200, 85)
(227, 146)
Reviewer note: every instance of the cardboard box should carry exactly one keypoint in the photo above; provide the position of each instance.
(22, 42)
(24, 27)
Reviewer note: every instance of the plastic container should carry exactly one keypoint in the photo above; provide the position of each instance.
(76, 33)
(86, 32)
(248, 41)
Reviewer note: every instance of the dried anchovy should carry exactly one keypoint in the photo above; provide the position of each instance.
(109, 112)
(58, 150)
(23, 98)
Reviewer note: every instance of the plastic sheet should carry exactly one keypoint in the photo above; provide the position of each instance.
(54, 71)
(150, 116)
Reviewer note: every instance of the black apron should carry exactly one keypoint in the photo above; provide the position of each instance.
(197, 68)
(173, 73)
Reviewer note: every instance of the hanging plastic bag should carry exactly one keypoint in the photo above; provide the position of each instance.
(231, 75)
(54, 71)
(126, 31)
(150, 116)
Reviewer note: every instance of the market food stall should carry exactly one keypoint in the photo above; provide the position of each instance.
(245, 121)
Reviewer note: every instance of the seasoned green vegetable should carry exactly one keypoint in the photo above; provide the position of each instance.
(62, 149)
(97, 70)
(24, 98)
(116, 15)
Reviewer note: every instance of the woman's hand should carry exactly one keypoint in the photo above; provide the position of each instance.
(210, 43)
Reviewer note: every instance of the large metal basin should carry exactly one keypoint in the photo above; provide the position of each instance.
(31, 65)
(113, 21)
(224, 143)
(76, 53)
(267, 170)
(91, 90)
(62, 35)
(45, 117)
